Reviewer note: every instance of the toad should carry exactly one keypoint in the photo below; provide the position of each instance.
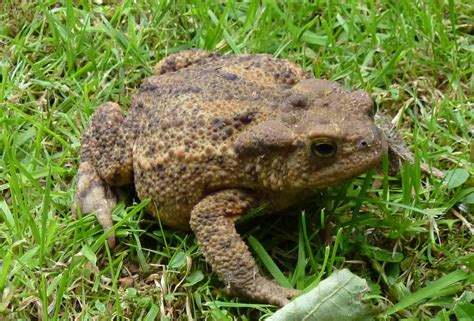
(211, 136)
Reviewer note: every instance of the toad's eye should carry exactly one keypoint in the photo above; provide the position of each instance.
(323, 148)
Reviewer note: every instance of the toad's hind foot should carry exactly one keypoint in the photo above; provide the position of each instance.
(93, 195)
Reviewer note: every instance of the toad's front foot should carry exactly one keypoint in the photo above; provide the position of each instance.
(264, 290)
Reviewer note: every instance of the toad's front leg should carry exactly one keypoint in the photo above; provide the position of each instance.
(212, 220)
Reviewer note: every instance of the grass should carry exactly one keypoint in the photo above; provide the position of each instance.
(412, 239)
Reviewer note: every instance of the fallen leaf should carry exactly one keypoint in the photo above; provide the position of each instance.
(337, 298)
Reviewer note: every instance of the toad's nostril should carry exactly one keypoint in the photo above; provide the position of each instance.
(364, 143)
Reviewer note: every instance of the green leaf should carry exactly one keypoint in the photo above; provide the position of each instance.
(193, 278)
(464, 309)
(178, 260)
(383, 255)
(131, 293)
(469, 199)
(89, 254)
(339, 297)
(464, 312)
(456, 177)
(99, 306)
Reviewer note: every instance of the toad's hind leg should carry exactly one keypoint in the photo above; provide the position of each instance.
(212, 220)
(106, 161)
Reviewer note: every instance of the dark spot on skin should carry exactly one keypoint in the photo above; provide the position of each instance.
(229, 76)
(237, 124)
(148, 87)
(165, 125)
(160, 171)
(177, 122)
(228, 131)
(111, 131)
(152, 126)
(215, 137)
(246, 118)
(169, 66)
(219, 123)
(288, 118)
(190, 89)
(151, 150)
(298, 100)
(194, 125)
(120, 143)
(216, 121)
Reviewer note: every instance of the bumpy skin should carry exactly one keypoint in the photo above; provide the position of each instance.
(212, 136)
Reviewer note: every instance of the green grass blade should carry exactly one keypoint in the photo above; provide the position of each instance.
(268, 262)
(429, 291)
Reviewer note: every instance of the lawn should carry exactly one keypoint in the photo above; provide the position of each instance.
(412, 238)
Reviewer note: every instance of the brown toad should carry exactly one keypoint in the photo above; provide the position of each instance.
(210, 137)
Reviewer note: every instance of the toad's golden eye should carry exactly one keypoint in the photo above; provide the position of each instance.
(323, 148)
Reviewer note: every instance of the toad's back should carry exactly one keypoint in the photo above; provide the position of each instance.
(188, 120)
